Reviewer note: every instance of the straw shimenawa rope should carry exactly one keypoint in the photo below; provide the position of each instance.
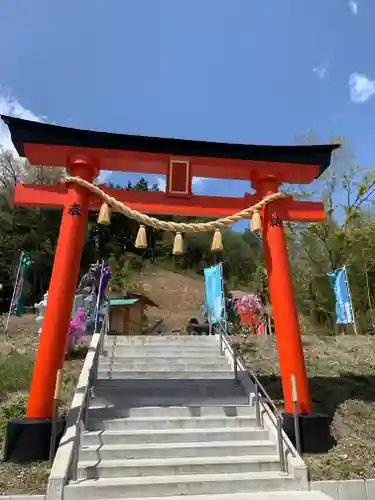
(175, 227)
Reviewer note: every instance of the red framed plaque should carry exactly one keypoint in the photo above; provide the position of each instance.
(179, 178)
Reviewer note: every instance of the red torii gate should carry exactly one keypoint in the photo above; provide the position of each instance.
(84, 153)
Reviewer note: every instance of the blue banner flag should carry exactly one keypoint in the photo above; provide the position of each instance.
(215, 293)
(344, 308)
(16, 306)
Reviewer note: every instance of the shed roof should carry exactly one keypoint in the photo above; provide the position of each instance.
(144, 298)
(112, 295)
(122, 302)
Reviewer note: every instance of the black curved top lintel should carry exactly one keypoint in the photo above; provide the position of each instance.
(31, 132)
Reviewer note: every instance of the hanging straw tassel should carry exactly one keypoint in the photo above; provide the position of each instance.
(141, 240)
(256, 222)
(104, 216)
(217, 242)
(178, 244)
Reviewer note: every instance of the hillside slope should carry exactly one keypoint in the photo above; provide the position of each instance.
(178, 296)
(341, 372)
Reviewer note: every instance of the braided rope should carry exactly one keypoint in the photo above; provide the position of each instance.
(175, 226)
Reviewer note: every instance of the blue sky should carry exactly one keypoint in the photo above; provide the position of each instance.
(251, 71)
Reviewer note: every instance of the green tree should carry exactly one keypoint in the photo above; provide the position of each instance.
(344, 238)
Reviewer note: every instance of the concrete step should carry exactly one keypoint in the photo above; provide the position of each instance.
(164, 486)
(188, 437)
(192, 343)
(167, 412)
(169, 387)
(110, 412)
(176, 466)
(140, 424)
(158, 351)
(204, 364)
(149, 450)
(165, 387)
(271, 495)
(161, 340)
(164, 374)
(162, 359)
(162, 363)
(121, 404)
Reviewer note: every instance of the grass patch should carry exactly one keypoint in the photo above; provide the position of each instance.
(17, 356)
(15, 372)
(341, 373)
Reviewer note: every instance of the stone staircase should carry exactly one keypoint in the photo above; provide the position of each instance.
(167, 420)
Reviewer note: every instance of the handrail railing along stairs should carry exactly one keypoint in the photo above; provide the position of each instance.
(82, 417)
(259, 393)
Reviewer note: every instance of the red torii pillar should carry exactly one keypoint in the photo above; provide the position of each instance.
(61, 292)
(288, 335)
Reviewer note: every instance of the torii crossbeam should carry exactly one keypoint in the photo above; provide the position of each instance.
(84, 153)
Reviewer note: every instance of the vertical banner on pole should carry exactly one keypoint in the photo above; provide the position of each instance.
(344, 306)
(213, 278)
(104, 279)
(16, 304)
(96, 313)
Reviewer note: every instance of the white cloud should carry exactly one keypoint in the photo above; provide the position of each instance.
(360, 88)
(197, 183)
(10, 106)
(321, 71)
(161, 182)
(353, 6)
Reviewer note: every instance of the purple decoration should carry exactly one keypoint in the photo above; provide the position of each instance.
(77, 328)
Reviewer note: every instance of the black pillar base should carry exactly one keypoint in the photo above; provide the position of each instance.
(28, 439)
(314, 429)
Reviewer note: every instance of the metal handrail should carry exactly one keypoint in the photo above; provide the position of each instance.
(82, 417)
(259, 385)
(260, 390)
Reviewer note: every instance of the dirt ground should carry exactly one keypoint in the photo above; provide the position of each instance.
(341, 373)
(17, 355)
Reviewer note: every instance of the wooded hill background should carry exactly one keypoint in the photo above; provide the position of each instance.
(347, 237)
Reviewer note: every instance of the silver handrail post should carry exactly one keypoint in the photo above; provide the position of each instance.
(281, 444)
(235, 361)
(55, 416)
(74, 463)
(100, 351)
(297, 430)
(102, 334)
(257, 406)
(95, 367)
(86, 404)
